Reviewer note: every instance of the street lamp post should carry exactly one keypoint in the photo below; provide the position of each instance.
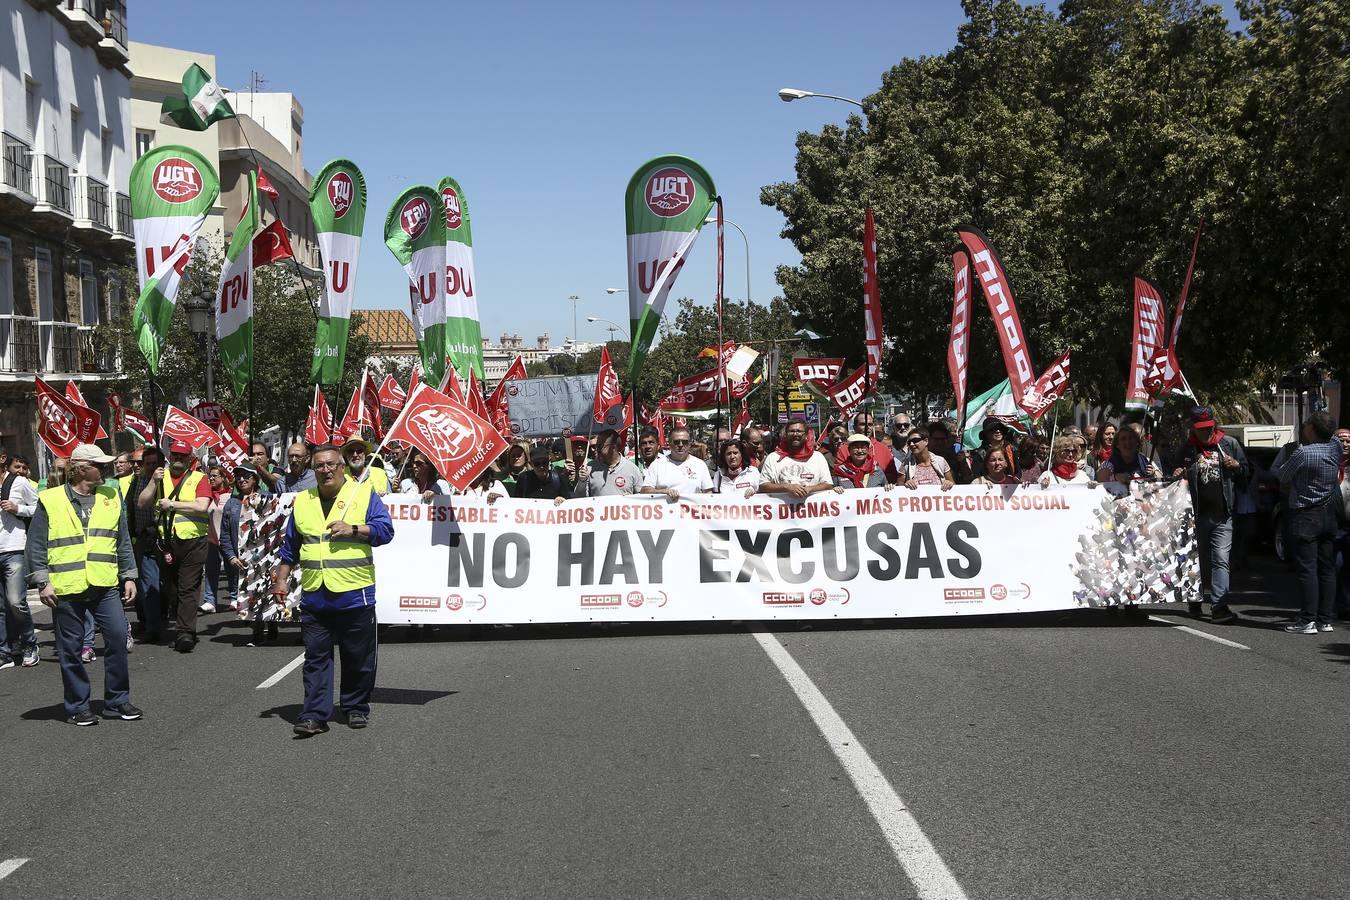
(746, 240)
(612, 326)
(574, 298)
(200, 307)
(787, 95)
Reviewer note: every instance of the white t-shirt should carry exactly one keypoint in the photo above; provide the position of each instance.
(782, 469)
(494, 489)
(746, 479)
(688, 477)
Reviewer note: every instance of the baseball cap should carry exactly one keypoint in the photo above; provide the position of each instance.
(245, 469)
(859, 439)
(180, 447)
(89, 453)
(1202, 417)
(539, 455)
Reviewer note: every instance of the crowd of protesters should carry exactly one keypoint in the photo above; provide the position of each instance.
(182, 518)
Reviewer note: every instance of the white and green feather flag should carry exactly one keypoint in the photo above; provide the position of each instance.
(414, 231)
(667, 202)
(200, 104)
(172, 190)
(234, 296)
(463, 334)
(337, 201)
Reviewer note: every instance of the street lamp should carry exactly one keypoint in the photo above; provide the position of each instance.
(613, 326)
(574, 298)
(200, 307)
(787, 95)
(712, 220)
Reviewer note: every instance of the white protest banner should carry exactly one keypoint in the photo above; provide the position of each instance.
(543, 407)
(859, 554)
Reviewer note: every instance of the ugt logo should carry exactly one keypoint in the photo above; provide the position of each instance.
(176, 180)
(670, 192)
(414, 217)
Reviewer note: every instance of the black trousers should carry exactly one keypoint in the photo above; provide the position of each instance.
(1312, 536)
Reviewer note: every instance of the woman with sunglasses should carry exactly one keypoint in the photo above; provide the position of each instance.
(424, 480)
(1125, 463)
(923, 467)
(1064, 463)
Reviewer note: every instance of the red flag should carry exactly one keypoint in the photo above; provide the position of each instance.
(233, 444)
(958, 345)
(392, 397)
(1047, 389)
(496, 403)
(363, 410)
(1150, 315)
(138, 424)
(458, 443)
(656, 420)
(742, 419)
(871, 302)
(607, 391)
(848, 393)
(185, 427)
(475, 399)
(415, 380)
(994, 282)
(818, 372)
(318, 424)
(74, 396)
(115, 406)
(450, 384)
(272, 244)
(63, 424)
(265, 186)
(628, 412)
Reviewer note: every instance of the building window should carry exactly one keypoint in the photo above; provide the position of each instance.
(89, 305)
(76, 136)
(33, 107)
(145, 140)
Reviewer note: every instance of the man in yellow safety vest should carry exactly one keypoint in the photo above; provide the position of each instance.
(182, 495)
(356, 452)
(80, 560)
(330, 535)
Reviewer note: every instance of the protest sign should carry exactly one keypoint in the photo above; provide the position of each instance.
(543, 407)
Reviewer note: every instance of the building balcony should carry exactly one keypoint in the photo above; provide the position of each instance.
(16, 176)
(112, 49)
(83, 20)
(18, 344)
(90, 198)
(123, 230)
(52, 180)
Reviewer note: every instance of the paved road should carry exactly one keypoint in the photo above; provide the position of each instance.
(1074, 756)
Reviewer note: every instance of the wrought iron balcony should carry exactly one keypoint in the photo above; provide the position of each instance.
(18, 167)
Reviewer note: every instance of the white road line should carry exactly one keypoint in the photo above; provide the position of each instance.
(1198, 633)
(920, 860)
(285, 670)
(10, 866)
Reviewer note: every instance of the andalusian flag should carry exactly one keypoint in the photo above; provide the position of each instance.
(172, 190)
(234, 297)
(337, 200)
(668, 200)
(415, 231)
(463, 336)
(200, 104)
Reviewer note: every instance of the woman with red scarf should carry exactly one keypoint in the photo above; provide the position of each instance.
(859, 469)
(1103, 443)
(1064, 468)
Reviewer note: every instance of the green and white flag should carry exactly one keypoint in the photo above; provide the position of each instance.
(667, 202)
(234, 296)
(997, 401)
(172, 190)
(463, 335)
(414, 231)
(337, 200)
(200, 104)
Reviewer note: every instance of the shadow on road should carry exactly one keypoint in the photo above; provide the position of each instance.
(1339, 653)
(383, 696)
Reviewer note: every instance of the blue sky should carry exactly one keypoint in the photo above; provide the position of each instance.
(542, 111)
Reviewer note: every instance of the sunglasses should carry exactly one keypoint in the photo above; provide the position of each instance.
(916, 440)
(679, 443)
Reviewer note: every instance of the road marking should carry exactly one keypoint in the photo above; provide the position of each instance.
(1198, 633)
(285, 670)
(10, 866)
(920, 860)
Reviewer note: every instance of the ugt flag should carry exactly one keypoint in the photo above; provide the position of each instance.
(200, 103)
(668, 201)
(414, 231)
(173, 189)
(337, 200)
(458, 443)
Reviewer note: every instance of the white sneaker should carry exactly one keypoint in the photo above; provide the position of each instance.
(131, 642)
(1301, 627)
(1325, 626)
(206, 607)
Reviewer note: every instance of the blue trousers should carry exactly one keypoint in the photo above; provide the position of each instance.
(16, 619)
(105, 604)
(1215, 537)
(353, 631)
(148, 595)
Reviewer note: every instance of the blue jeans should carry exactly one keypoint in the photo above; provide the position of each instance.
(1215, 537)
(105, 604)
(147, 593)
(214, 565)
(353, 630)
(16, 620)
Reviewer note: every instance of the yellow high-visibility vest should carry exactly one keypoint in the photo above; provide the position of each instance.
(187, 525)
(338, 564)
(80, 556)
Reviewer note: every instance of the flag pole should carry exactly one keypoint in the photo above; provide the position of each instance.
(721, 356)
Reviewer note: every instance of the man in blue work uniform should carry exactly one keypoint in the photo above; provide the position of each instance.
(330, 535)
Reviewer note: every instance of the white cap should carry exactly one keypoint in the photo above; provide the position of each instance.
(90, 453)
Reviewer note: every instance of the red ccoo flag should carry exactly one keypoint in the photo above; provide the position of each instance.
(458, 443)
(1047, 389)
(272, 244)
(185, 427)
(63, 424)
(233, 444)
(848, 393)
(74, 395)
(392, 397)
(318, 424)
(607, 391)
(138, 424)
(475, 399)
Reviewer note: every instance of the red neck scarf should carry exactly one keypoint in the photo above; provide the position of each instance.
(1205, 446)
(856, 474)
(1065, 471)
(1103, 453)
(802, 455)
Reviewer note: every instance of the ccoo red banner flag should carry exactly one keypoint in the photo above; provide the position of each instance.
(1047, 389)
(1150, 314)
(871, 302)
(988, 269)
(958, 345)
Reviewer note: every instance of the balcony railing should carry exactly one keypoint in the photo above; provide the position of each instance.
(114, 20)
(91, 200)
(18, 169)
(124, 215)
(55, 184)
(60, 347)
(93, 359)
(18, 344)
(51, 348)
